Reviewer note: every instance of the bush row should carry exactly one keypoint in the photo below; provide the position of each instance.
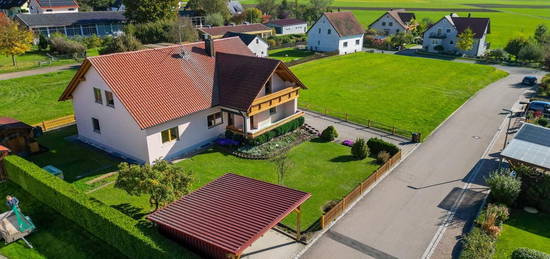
(104, 222)
(528, 253)
(281, 130)
(377, 145)
(275, 41)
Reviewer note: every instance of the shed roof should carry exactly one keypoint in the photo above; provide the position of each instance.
(230, 212)
(11, 123)
(287, 22)
(221, 30)
(345, 23)
(531, 145)
(67, 19)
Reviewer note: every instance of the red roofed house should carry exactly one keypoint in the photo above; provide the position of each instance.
(339, 31)
(165, 102)
(53, 6)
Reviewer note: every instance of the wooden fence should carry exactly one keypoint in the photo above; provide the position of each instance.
(339, 208)
(56, 123)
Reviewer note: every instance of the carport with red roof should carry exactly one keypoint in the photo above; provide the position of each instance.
(224, 217)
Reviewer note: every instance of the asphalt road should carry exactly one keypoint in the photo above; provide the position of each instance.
(400, 217)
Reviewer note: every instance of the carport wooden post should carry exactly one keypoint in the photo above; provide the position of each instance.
(298, 222)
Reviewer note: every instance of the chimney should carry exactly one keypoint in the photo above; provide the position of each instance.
(209, 45)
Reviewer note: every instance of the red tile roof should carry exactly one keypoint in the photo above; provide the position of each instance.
(345, 23)
(222, 30)
(229, 213)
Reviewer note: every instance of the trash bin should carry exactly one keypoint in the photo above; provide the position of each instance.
(416, 137)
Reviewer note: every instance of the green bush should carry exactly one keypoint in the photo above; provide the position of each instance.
(154, 32)
(504, 187)
(329, 134)
(62, 45)
(102, 221)
(360, 150)
(121, 43)
(279, 131)
(528, 253)
(543, 122)
(535, 188)
(477, 245)
(383, 157)
(377, 145)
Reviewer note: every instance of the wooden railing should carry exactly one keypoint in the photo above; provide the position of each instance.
(269, 101)
(351, 197)
(56, 123)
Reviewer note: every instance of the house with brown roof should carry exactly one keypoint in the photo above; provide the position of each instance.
(393, 22)
(165, 102)
(336, 32)
(443, 35)
(217, 32)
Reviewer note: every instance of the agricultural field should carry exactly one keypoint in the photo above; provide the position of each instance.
(524, 230)
(406, 92)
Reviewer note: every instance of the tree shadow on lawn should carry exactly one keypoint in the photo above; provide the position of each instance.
(343, 159)
(538, 224)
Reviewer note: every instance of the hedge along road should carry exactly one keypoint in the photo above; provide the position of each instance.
(401, 215)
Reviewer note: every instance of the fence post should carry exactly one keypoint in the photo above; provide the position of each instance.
(322, 221)
(368, 123)
(393, 130)
(43, 126)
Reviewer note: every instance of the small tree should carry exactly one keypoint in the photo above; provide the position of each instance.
(162, 182)
(14, 40)
(541, 34)
(267, 6)
(252, 15)
(359, 149)
(215, 19)
(514, 46)
(530, 52)
(42, 42)
(465, 40)
(504, 187)
(329, 134)
(144, 11)
(122, 43)
(282, 165)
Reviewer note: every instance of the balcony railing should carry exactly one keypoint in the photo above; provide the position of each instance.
(437, 36)
(257, 132)
(269, 101)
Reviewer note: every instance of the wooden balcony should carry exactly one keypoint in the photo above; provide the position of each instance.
(269, 101)
(259, 132)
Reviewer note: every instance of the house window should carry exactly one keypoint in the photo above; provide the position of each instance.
(71, 9)
(329, 31)
(357, 42)
(170, 134)
(95, 125)
(345, 43)
(391, 23)
(257, 41)
(49, 10)
(215, 119)
(448, 30)
(383, 23)
(97, 96)
(109, 99)
(451, 42)
(319, 30)
(272, 110)
(397, 30)
(318, 43)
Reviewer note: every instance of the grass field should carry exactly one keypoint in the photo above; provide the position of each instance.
(524, 230)
(34, 98)
(55, 236)
(327, 170)
(415, 94)
(30, 60)
(289, 54)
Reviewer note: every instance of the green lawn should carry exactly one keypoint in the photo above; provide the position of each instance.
(422, 3)
(414, 94)
(31, 59)
(524, 230)
(77, 161)
(327, 170)
(55, 236)
(289, 54)
(34, 98)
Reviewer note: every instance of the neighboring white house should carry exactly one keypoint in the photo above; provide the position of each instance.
(256, 44)
(443, 35)
(162, 103)
(56, 6)
(288, 26)
(338, 31)
(393, 22)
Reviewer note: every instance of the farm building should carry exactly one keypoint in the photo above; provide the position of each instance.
(336, 32)
(288, 26)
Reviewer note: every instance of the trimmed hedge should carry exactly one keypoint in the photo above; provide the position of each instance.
(104, 222)
(377, 145)
(279, 131)
(528, 253)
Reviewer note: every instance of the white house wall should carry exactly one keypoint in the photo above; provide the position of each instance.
(277, 84)
(445, 27)
(318, 38)
(119, 132)
(259, 47)
(293, 29)
(354, 44)
(388, 25)
(193, 133)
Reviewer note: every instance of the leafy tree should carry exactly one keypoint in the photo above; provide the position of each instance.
(210, 7)
(186, 30)
(59, 43)
(541, 34)
(504, 187)
(144, 11)
(321, 5)
(97, 5)
(515, 45)
(42, 42)
(215, 19)
(267, 6)
(465, 40)
(284, 10)
(530, 52)
(253, 15)
(162, 182)
(400, 39)
(282, 165)
(122, 43)
(14, 40)
(237, 18)
(359, 149)
(495, 55)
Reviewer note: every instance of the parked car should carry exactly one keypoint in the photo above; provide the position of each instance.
(529, 80)
(539, 106)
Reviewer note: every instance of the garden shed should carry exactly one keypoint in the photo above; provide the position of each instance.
(17, 136)
(530, 147)
(224, 217)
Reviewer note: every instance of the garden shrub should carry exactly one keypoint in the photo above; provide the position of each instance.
(329, 205)
(42, 42)
(528, 253)
(504, 187)
(535, 188)
(279, 131)
(329, 134)
(543, 122)
(122, 43)
(377, 145)
(359, 149)
(102, 221)
(62, 45)
(492, 218)
(477, 245)
(383, 157)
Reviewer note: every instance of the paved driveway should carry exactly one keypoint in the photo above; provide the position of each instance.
(401, 215)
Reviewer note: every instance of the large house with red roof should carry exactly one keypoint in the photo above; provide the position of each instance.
(165, 102)
(336, 32)
(53, 6)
